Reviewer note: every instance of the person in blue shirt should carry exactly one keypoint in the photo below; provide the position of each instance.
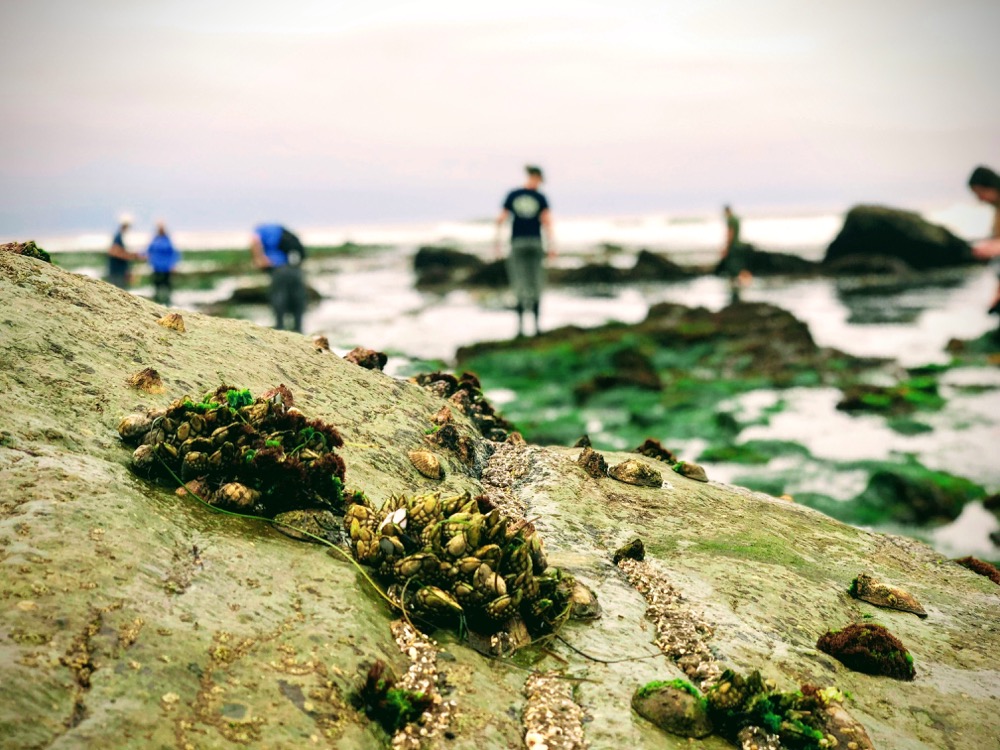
(529, 211)
(280, 253)
(119, 258)
(163, 258)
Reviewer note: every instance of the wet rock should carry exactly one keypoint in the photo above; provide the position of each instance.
(634, 550)
(632, 369)
(593, 463)
(675, 707)
(867, 589)
(436, 266)
(903, 398)
(868, 648)
(367, 358)
(634, 471)
(691, 471)
(881, 231)
(261, 295)
(306, 525)
(981, 567)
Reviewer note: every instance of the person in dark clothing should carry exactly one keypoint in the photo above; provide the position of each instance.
(525, 270)
(735, 261)
(163, 258)
(985, 183)
(280, 253)
(119, 258)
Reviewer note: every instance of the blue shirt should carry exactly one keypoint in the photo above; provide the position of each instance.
(270, 240)
(162, 254)
(526, 207)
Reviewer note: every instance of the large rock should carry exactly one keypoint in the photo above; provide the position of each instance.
(437, 266)
(134, 618)
(888, 232)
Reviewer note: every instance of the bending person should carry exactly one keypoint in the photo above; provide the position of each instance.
(280, 253)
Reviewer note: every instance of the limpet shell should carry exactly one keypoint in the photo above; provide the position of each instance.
(147, 380)
(236, 495)
(143, 457)
(691, 471)
(634, 471)
(173, 321)
(868, 589)
(427, 464)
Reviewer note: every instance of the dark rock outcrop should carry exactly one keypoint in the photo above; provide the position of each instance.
(880, 232)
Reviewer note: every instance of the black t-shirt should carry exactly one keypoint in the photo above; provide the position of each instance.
(526, 207)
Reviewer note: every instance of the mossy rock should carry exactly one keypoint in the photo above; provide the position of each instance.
(676, 707)
(869, 648)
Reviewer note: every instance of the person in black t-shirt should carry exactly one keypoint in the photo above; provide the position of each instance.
(530, 212)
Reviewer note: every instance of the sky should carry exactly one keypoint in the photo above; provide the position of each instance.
(219, 115)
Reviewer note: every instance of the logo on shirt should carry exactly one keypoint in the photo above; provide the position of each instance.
(526, 206)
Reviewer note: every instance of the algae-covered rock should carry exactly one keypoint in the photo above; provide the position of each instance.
(869, 648)
(675, 707)
(28, 249)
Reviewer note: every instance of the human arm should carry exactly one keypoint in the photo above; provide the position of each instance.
(257, 253)
(498, 239)
(545, 218)
(987, 249)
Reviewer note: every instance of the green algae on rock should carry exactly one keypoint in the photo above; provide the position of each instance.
(869, 648)
(675, 706)
(807, 719)
(28, 249)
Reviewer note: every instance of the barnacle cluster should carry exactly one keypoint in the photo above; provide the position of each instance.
(807, 719)
(258, 455)
(446, 559)
(465, 393)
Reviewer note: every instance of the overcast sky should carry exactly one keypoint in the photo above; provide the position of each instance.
(222, 114)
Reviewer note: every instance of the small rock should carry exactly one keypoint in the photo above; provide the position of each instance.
(634, 550)
(691, 471)
(673, 709)
(321, 344)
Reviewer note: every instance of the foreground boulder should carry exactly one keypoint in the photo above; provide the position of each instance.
(137, 618)
(879, 232)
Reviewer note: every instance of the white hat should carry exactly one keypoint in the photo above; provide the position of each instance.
(125, 218)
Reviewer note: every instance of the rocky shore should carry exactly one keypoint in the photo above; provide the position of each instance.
(137, 617)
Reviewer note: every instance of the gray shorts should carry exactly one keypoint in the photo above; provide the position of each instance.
(526, 271)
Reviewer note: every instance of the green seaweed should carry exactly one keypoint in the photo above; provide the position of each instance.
(678, 684)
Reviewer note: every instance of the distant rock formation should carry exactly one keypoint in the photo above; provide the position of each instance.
(871, 234)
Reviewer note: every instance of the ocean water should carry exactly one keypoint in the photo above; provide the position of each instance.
(369, 299)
